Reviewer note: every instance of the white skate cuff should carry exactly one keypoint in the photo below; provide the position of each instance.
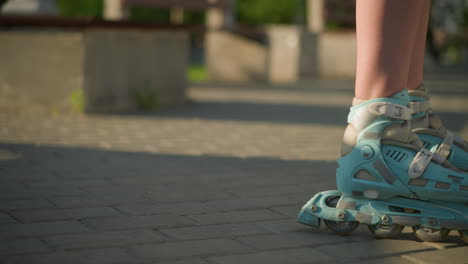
(458, 139)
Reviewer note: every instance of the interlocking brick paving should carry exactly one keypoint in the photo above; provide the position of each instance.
(218, 180)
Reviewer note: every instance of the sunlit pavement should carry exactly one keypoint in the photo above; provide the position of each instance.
(218, 180)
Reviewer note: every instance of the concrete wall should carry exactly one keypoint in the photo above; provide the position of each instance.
(40, 68)
(291, 55)
(337, 54)
(121, 65)
(309, 57)
(283, 54)
(116, 68)
(232, 58)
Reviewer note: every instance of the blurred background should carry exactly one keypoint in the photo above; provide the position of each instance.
(179, 42)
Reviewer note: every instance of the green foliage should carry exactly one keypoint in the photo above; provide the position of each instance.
(197, 73)
(344, 10)
(255, 12)
(465, 18)
(194, 17)
(81, 8)
(150, 14)
(164, 15)
(145, 98)
(77, 100)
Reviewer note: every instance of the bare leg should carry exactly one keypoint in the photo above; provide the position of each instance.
(386, 31)
(415, 74)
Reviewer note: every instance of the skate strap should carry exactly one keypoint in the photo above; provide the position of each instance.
(418, 107)
(458, 139)
(390, 110)
(444, 148)
(449, 139)
(420, 163)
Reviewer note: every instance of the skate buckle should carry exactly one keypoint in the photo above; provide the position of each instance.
(398, 111)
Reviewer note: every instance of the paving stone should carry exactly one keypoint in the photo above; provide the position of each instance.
(69, 183)
(450, 243)
(54, 191)
(214, 231)
(13, 191)
(97, 200)
(390, 260)
(245, 150)
(136, 222)
(451, 255)
(186, 261)
(22, 246)
(298, 255)
(452, 240)
(284, 225)
(128, 190)
(41, 229)
(236, 217)
(267, 191)
(174, 250)
(266, 177)
(250, 203)
(189, 194)
(64, 214)
(292, 240)
(105, 239)
(166, 208)
(372, 249)
(95, 256)
(6, 219)
(10, 205)
(290, 211)
(28, 176)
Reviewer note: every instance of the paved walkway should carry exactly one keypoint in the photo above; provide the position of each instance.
(219, 180)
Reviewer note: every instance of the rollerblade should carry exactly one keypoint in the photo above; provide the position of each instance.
(432, 132)
(388, 180)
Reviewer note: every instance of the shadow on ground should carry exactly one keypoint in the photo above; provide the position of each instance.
(260, 112)
(65, 171)
(143, 194)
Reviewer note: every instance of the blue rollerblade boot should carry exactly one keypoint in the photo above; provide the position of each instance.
(432, 132)
(387, 179)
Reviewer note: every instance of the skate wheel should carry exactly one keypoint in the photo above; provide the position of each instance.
(430, 234)
(339, 227)
(464, 235)
(386, 231)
